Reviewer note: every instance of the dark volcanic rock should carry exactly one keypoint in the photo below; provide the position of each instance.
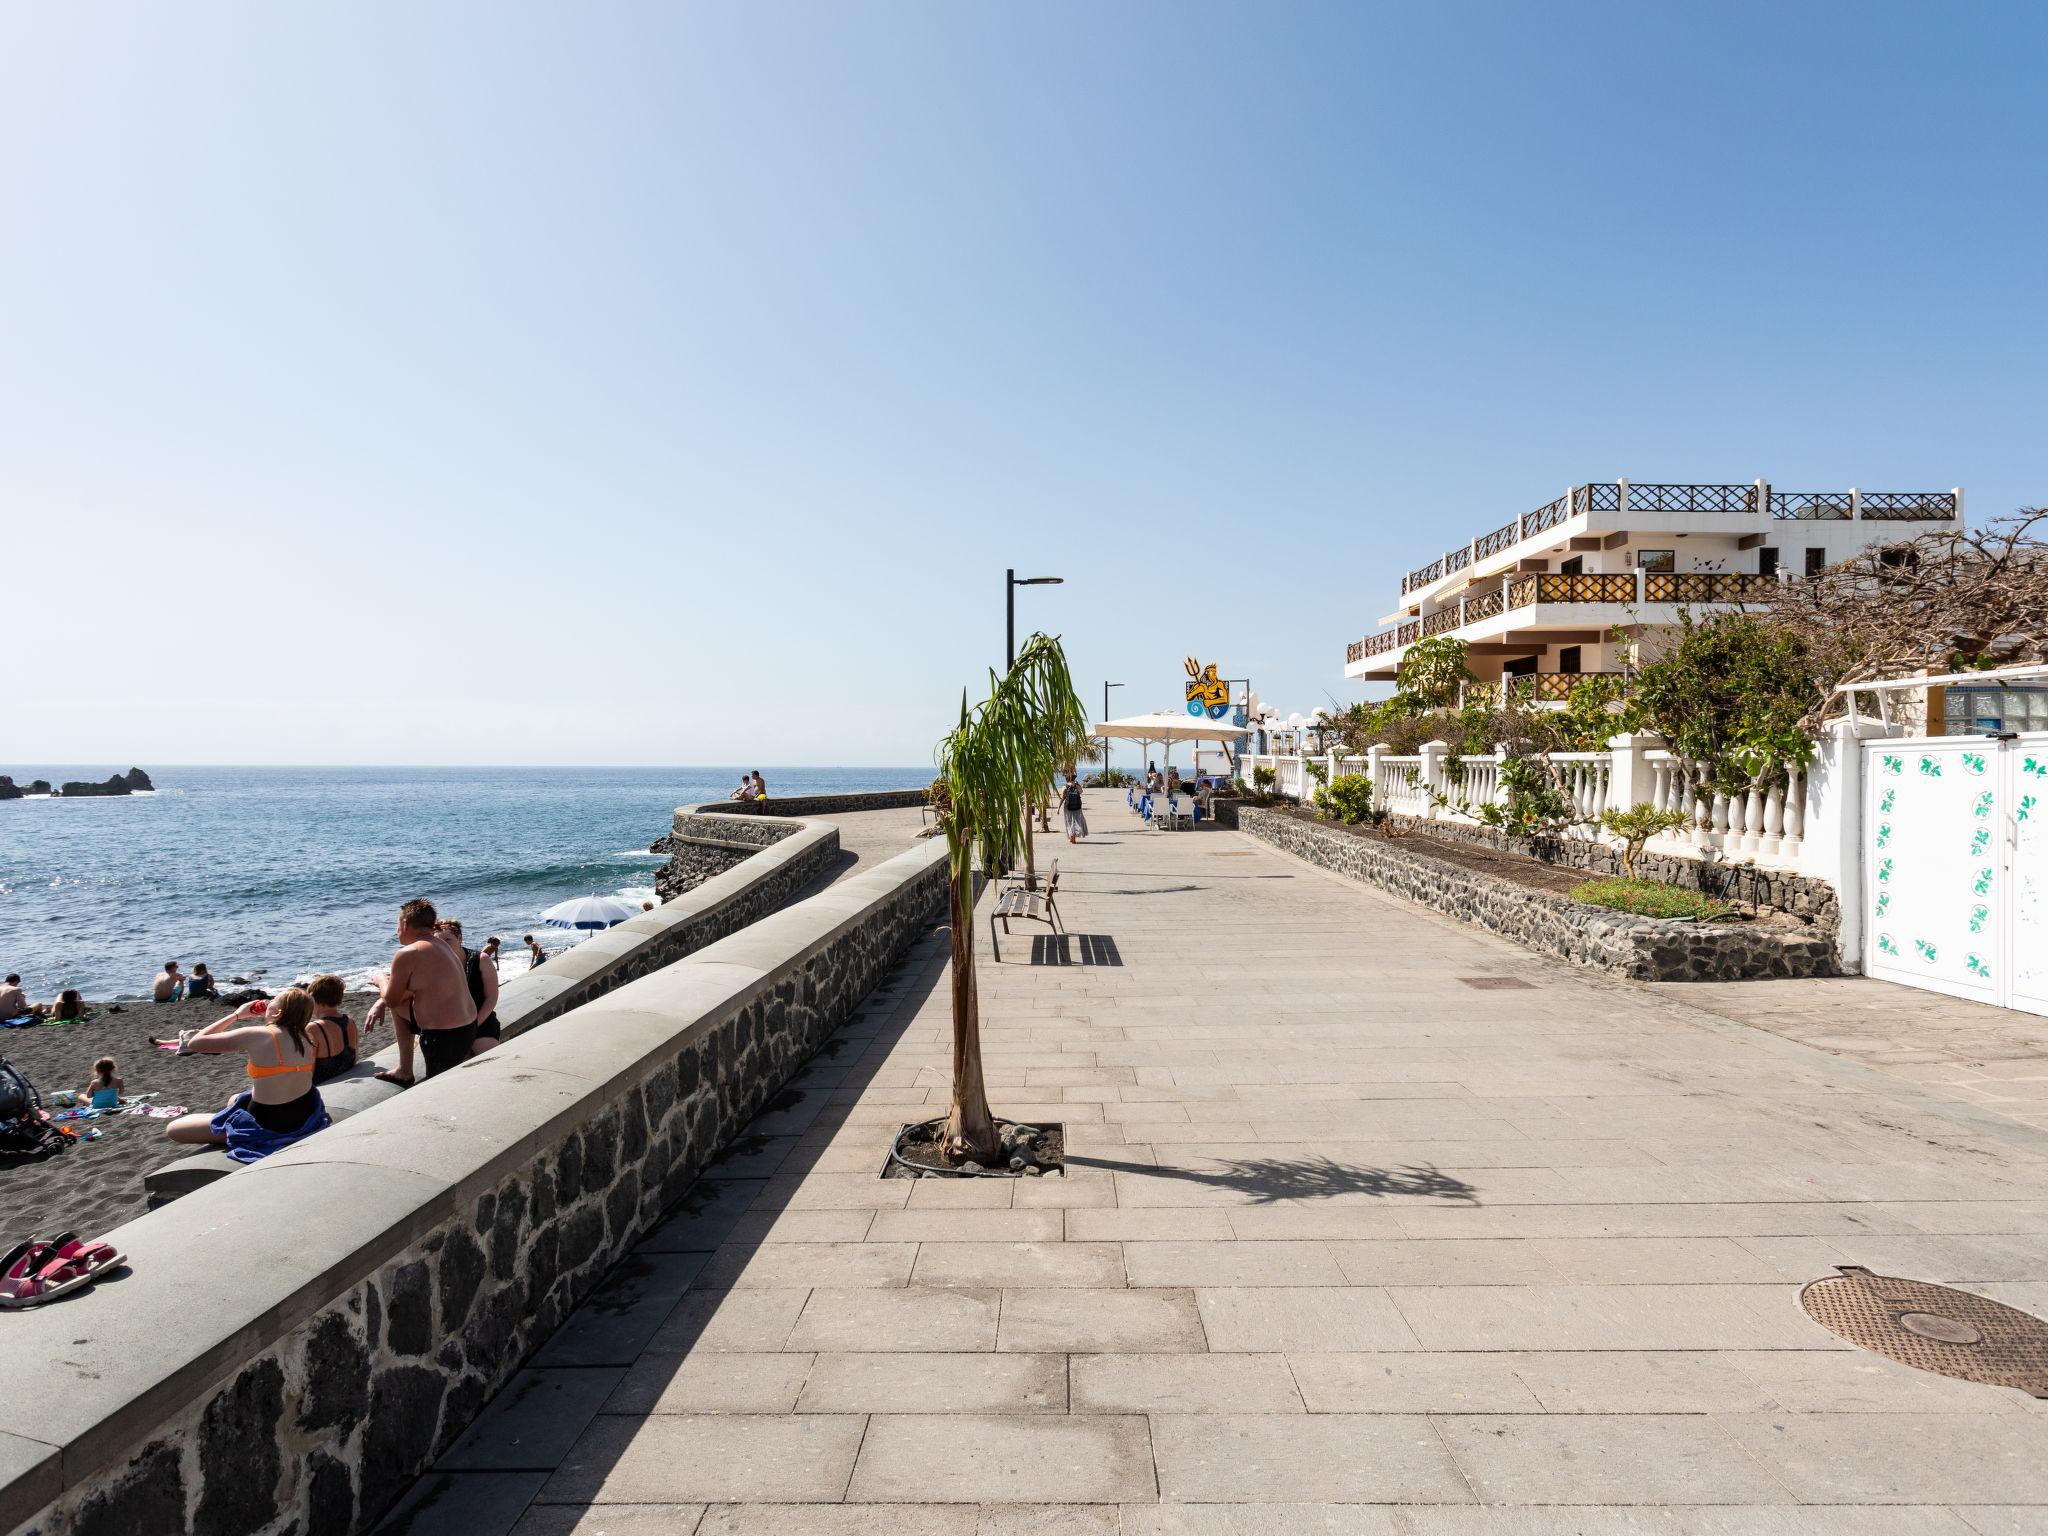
(120, 784)
(8, 790)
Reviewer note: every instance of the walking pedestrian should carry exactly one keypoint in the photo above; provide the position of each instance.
(1070, 803)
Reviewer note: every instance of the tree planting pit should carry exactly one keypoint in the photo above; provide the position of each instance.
(1031, 1149)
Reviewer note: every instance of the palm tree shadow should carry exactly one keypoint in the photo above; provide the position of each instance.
(1269, 1180)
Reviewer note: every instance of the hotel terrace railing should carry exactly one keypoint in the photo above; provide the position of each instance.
(1622, 495)
(1547, 687)
(1623, 587)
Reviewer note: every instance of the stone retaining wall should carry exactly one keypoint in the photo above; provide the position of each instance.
(292, 1346)
(1645, 948)
(1812, 901)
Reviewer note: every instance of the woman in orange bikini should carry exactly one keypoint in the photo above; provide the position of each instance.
(280, 1105)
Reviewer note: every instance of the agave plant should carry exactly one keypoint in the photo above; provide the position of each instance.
(1003, 752)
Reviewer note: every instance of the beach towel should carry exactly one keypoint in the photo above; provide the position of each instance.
(21, 1023)
(249, 1142)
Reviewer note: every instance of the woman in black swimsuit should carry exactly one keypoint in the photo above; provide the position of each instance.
(332, 1032)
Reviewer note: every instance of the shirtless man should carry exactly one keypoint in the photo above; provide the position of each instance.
(427, 995)
(14, 1003)
(168, 986)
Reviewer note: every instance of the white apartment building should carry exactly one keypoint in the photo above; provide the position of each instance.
(1541, 599)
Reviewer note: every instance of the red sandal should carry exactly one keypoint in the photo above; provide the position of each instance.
(94, 1256)
(58, 1277)
(24, 1259)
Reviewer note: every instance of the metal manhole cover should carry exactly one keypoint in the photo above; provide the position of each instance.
(1933, 1328)
(1497, 983)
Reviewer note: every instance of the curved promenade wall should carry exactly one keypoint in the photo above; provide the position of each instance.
(291, 1346)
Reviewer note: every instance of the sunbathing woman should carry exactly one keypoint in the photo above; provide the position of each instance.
(280, 1105)
(333, 1032)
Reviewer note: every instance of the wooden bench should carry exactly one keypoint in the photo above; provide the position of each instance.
(1040, 906)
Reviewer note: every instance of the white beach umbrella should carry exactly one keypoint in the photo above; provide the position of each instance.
(590, 912)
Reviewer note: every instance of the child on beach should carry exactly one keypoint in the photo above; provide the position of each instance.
(333, 1032)
(104, 1090)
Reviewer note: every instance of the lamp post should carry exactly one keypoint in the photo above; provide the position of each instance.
(1105, 720)
(1011, 582)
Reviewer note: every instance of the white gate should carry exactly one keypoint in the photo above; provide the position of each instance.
(1955, 859)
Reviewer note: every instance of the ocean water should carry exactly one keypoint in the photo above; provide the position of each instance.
(277, 874)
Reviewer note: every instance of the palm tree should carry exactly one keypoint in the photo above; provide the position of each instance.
(990, 765)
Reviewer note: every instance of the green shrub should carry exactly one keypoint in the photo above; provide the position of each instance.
(1636, 826)
(1348, 797)
(1264, 778)
(1648, 898)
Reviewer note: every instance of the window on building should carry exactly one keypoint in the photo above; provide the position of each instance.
(1568, 660)
(1816, 561)
(1573, 566)
(1899, 558)
(1767, 561)
(1657, 559)
(1521, 666)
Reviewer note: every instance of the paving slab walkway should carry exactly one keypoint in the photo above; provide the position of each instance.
(1348, 1246)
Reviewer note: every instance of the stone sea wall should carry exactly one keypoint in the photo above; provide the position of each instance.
(293, 1345)
(1813, 901)
(1645, 948)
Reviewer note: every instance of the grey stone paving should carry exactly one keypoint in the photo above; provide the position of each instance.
(1348, 1247)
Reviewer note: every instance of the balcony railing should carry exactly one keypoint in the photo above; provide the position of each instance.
(1757, 496)
(1908, 506)
(1706, 587)
(1549, 687)
(1625, 588)
(1692, 498)
(1585, 587)
(1489, 544)
(1811, 506)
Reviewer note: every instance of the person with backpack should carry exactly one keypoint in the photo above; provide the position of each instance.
(1070, 807)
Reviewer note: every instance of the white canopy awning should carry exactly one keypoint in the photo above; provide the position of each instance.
(1165, 727)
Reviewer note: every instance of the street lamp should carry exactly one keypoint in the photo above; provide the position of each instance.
(1105, 720)
(1012, 581)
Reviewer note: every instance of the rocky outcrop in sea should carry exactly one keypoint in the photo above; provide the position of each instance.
(128, 783)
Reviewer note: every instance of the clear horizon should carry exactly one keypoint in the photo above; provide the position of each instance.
(506, 386)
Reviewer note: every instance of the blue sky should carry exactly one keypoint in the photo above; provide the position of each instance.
(651, 383)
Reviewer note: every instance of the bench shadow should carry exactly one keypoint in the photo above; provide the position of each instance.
(1075, 949)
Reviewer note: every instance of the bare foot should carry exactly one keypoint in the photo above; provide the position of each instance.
(403, 1079)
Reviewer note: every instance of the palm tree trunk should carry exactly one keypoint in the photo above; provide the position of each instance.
(970, 1129)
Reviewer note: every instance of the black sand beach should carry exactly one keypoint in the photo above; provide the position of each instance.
(95, 1185)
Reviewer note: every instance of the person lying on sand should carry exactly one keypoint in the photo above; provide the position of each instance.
(427, 996)
(280, 1105)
